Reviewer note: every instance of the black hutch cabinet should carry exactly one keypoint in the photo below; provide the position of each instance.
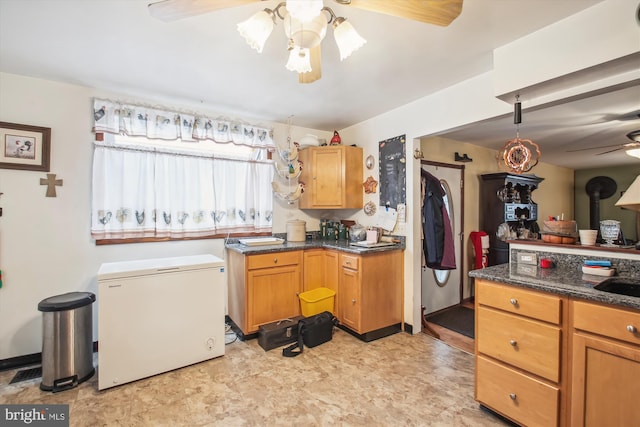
(506, 198)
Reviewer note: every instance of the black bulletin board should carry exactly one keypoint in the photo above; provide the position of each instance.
(393, 171)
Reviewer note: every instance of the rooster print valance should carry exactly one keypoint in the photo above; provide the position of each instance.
(136, 120)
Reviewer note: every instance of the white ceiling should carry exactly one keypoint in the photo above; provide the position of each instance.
(117, 46)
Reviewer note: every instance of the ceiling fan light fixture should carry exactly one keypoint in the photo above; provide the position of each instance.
(634, 135)
(299, 60)
(257, 29)
(305, 35)
(347, 38)
(634, 152)
(304, 10)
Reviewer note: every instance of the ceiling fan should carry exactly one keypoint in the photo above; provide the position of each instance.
(634, 136)
(437, 12)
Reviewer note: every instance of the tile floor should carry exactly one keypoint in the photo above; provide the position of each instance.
(400, 380)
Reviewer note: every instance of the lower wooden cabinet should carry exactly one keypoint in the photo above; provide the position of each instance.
(605, 366)
(370, 290)
(263, 288)
(518, 396)
(543, 359)
(320, 269)
(519, 353)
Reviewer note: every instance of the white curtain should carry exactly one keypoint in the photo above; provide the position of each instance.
(150, 189)
(161, 194)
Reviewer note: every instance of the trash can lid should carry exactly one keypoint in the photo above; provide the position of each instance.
(66, 301)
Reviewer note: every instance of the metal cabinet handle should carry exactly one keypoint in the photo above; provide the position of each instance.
(513, 343)
(513, 301)
(632, 329)
(275, 260)
(353, 301)
(512, 396)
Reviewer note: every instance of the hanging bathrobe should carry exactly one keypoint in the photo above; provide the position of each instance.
(437, 244)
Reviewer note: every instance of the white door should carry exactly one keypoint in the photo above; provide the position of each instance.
(441, 288)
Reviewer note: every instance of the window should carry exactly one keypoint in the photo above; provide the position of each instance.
(152, 183)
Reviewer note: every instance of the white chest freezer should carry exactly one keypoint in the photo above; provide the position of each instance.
(157, 315)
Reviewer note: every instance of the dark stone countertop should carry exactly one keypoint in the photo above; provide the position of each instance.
(340, 245)
(564, 280)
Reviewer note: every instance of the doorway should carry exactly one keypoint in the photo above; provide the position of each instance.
(443, 288)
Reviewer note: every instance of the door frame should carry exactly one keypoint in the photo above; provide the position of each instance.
(461, 234)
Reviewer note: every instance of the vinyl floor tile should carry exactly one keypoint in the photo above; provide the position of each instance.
(400, 380)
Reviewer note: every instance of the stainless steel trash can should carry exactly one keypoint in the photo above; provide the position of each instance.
(67, 346)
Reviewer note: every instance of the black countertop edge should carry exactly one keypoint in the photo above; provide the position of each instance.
(561, 281)
(340, 245)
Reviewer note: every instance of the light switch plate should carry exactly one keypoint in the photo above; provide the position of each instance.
(526, 258)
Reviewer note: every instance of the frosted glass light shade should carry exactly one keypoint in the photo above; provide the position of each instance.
(257, 29)
(299, 60)
(347, 38)
(305, 35)
(634, 152)
(631, 198)
(304, 10)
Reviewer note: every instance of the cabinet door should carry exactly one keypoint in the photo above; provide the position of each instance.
(349, 298)
(272, 294)
(333, 177)
(327, 179)
(605, 382)
(331, 270)
(313, 269)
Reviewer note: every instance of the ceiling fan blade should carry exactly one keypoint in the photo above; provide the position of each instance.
(172, 10)
(595, 148)
(438, 12)
(316, 67)
(611, 151)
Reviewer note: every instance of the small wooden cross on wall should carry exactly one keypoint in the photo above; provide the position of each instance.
(51, 183)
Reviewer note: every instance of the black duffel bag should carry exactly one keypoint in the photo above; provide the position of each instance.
(312, 331)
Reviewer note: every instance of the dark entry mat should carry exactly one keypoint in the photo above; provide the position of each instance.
(27, 374)
(459, 319)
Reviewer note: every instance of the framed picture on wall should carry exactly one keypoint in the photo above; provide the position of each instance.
(24, 147)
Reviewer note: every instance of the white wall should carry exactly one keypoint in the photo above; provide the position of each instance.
(45, 244)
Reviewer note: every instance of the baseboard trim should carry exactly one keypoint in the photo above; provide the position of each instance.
(28, 359)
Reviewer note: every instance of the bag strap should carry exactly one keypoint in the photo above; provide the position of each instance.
(290, 351)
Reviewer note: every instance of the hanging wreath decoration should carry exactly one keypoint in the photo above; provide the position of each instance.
(519, 155)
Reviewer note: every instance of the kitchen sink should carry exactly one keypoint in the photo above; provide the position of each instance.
(620, 286)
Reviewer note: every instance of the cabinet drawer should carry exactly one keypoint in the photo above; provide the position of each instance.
(608, 321)
(523, 399)
(274, 259)
(527, 344)
(520, 301)
(350, 261)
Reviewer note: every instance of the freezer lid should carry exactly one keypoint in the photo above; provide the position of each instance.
(116, 270)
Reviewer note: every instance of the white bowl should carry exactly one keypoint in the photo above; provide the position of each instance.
(309, 141)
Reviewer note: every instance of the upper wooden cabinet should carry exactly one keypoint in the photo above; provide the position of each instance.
(332, 177)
